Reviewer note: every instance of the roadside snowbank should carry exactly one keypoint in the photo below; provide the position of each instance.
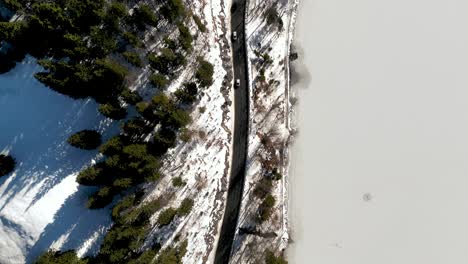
(269, 122)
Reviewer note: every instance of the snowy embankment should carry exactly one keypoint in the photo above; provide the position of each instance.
(41, 205)
(203, 162)
(269, 132)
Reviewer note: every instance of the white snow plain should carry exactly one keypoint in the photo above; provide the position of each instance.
(41, 205)
(384, 116)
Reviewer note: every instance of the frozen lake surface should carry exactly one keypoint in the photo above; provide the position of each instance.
(41, 205)
(380, 167)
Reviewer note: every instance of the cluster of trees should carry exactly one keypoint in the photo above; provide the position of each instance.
(171, 255)
(74, 41)
(67, 257)
(172, 55)
(85, 139)
(204, 73)
(57, 30)
(272, 17)
(166, 217)
(7, 164)
(270, 258)
(178, 182)
(173, 10)
(167, 61)
(13, 5)
(127, 164)
(262, 190)
(170, 58)
(264, 61)
(266, 207)
(201, 26)
(123, 242)
(130, 158)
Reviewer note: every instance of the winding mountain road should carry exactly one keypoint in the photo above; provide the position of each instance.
(241, 128)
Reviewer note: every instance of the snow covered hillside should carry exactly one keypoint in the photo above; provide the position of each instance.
(203, 163)
(41, 205)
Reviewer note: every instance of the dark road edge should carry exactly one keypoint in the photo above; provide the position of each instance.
(241, 127)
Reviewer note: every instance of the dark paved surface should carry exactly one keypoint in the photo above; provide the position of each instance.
(241, 125)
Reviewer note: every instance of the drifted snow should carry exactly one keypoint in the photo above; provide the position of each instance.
(41, 205)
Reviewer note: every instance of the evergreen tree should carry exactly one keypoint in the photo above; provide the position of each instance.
(113, 111)
(92, 176)
(67, 257)
(7, 164)
(185, 38)
(270, 258)
(205, 73)
(85, 139)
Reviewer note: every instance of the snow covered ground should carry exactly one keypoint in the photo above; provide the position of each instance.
(269, 123)
(202, 163)
(41, 205)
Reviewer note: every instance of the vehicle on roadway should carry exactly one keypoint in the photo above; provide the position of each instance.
(237, 84)
(234, 35)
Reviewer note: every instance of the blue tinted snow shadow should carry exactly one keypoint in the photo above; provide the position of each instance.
(35, 123)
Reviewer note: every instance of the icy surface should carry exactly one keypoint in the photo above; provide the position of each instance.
(384, 114)
(41, 205)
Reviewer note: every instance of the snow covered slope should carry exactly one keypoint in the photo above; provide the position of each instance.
(203, 163)
(41, 205)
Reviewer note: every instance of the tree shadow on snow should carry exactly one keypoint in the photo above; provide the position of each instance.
(35, 123)
(72, 227)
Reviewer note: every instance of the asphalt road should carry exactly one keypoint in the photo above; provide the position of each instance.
(241, 126)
